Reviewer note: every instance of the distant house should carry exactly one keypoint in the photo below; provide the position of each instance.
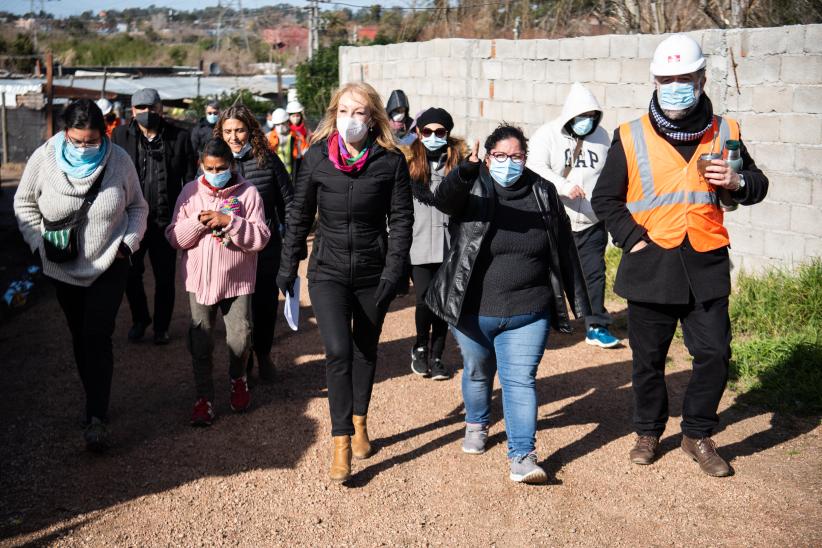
(286, 37)
(368, 33)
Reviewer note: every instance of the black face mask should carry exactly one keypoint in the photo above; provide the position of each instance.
(149, 120)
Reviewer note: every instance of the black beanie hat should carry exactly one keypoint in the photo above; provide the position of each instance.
(435, 116)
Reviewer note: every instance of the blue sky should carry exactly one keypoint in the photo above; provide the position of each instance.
(62, 8)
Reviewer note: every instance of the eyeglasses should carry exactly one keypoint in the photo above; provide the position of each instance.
(439, 132)
(84, 144)
(517, 158)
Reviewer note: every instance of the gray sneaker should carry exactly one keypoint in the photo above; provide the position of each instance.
(525, 469)
(475, 437)
(96, 435)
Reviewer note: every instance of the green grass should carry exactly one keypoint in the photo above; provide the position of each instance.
(777, 348)
(777, 327)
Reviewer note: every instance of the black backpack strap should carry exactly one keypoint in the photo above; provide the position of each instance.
(91, 195)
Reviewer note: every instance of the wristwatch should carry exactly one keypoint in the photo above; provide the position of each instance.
(741, 183)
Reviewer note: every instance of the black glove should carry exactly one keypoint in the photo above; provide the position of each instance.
(469, 171)
(386, 291)
(286, 284)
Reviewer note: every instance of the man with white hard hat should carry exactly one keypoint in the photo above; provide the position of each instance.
(667, 219)
(112, 121)
(296, 117)
(286, 143)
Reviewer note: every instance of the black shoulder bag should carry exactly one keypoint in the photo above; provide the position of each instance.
(60, 240)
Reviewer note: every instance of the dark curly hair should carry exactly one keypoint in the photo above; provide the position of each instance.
(506, 131)
(259, 144)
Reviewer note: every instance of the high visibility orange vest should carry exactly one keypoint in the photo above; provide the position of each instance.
(300, 144)
(665, 193)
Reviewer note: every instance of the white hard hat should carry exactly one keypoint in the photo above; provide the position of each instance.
(104, 104)
(293, 107)
(279, 116)
(677, 54)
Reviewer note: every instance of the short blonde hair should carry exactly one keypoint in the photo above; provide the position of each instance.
(380, 131)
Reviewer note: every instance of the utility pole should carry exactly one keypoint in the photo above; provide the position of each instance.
(313, 27)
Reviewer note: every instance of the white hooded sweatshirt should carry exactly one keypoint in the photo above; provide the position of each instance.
(551, 147)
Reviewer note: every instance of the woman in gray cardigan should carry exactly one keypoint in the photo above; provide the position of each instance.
(430, 158)
(56, 182)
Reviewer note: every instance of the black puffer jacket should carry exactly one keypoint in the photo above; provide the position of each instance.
(356, 212)
(202, 133)
(471, 207)
(274, 185)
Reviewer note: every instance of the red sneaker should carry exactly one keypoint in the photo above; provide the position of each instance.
(240, 396)
(203, 413)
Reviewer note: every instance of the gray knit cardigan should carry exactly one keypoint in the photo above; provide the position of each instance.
(117, 215)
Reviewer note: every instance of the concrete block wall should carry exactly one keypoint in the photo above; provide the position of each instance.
(775, 91)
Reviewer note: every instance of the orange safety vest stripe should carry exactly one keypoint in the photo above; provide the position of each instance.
(665, 194)
(296, 151)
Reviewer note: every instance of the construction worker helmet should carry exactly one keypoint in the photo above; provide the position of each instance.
(677, 54)
(279, 116)
(104, 104)
(293, 107)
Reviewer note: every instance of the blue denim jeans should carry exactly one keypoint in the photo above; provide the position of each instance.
(514, 347)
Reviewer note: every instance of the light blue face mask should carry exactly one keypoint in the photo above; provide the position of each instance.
(246, 148)
(75, 161)
(432, 142)
(583, 125)
(676, 96)
(505, 173)
(218, 180)
(212, 118)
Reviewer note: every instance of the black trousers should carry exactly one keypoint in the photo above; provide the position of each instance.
(264, 305)
(707, 331)
(426, 320)
(90, 313)
(350, 324)
(163, 264)
(591, 243)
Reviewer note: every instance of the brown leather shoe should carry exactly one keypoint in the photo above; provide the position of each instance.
(360, 445)
(703, 451)
(644, 449)
(341, 459)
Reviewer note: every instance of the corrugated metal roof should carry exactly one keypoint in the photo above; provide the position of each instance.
(170, 87)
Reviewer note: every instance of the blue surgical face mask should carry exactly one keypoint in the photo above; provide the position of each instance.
(505, 173)
(82, 156)
(676, 96)
(583, 125)
(246, 148)
(212, 118)
(432, 142)
(218, 180)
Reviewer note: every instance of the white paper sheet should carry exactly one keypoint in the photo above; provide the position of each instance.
(291, 310)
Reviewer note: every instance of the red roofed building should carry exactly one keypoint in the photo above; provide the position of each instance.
(367, 33)
(286, 37)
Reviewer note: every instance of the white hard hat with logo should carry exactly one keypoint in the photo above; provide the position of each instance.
(677, 54)
(293, 107)
(279, 116)
(104, 104)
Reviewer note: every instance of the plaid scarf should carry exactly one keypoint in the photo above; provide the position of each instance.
(674, 131)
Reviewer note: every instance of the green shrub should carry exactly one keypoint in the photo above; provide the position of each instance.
(317, 79)
(612, 257)
(777, 352)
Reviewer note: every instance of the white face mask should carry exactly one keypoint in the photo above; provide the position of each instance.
(353, 130)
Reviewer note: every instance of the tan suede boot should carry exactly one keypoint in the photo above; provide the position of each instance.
(360, 445)
(341, 459)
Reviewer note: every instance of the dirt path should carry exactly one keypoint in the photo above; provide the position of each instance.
(260, 479)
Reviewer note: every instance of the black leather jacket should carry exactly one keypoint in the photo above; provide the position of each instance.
(471, 207)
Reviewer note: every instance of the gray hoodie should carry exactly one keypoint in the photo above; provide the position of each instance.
(552, 146)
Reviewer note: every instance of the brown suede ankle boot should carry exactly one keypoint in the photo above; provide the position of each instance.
(360, 445)
(341, 459)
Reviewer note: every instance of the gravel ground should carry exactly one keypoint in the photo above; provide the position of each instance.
(260, 479)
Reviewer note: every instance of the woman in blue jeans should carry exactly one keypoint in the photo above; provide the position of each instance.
(511, 264)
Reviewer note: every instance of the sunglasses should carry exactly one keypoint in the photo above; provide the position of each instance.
(439, 132)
